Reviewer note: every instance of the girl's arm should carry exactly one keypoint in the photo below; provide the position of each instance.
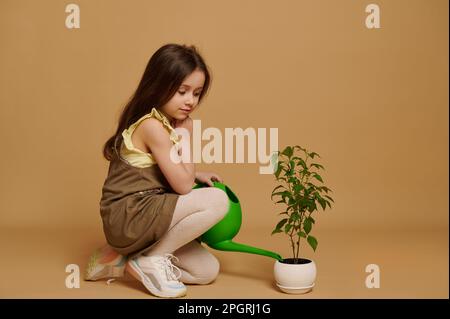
(180, 175)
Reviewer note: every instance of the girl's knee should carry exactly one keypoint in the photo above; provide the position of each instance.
(219, 200)
(209, 273)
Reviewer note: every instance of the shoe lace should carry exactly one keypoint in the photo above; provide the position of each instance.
(170, 268)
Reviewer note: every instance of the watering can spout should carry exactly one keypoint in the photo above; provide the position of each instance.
(229, 245)
(220, 236)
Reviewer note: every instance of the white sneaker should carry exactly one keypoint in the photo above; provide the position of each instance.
(157, 275)
(105, 263)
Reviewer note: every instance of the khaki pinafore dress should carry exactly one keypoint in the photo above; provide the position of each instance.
(136, 206)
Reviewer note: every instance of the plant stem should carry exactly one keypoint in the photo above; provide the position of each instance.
(298, 240)
(292, 245)
(291, 235)
(301, 223)
(294, 253)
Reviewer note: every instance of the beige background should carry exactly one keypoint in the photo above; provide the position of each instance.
(372, 103)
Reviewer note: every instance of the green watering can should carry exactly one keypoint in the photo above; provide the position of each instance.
(220, 236)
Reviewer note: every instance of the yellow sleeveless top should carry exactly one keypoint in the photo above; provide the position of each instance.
(136, 157)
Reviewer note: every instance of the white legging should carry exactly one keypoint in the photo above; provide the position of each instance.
(194, 214)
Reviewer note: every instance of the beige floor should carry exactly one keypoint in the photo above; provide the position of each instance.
(412, 264)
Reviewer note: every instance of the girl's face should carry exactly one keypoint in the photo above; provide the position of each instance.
(185, 99)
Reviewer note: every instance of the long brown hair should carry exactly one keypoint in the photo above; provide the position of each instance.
(165, 71)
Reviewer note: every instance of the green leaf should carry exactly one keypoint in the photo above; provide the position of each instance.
(292, 164)
(277, 193)
(326, 189)
(281, 223)
(303, 204)
(294, 217)
(313, 154)
(298, 187)
(290, 172)
(283, 213)
(279, 186)
(311, 206)
(301, 234)
(317, 165)
(318, 177)
(299, 147)
(329, 198)
(312, 241)
(274, 158)
(288, 151)
(302, 162)
(288, 195)
(293, 179)
(275, 231)
(278, 171)
(322, 202)
(287, 228)
(307, 225)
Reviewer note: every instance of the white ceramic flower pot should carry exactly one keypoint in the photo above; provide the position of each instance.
(295, 278)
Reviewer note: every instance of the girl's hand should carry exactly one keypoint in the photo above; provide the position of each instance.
(207, 177)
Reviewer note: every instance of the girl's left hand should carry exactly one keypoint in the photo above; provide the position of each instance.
(207, 177)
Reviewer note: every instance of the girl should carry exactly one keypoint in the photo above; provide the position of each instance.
(151, 215)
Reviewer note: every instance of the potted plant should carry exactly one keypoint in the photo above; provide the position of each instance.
(301, 196)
